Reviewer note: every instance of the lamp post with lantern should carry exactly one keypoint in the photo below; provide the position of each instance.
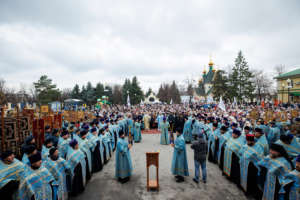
(289, 82)
(282, 92)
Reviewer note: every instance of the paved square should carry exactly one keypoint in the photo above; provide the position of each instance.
(103, 185)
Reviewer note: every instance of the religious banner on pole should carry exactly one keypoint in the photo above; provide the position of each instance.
(222, 105)
(128, 100)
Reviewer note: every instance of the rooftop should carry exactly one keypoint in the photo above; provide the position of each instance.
(289, 74)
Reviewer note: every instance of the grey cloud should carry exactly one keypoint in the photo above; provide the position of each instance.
(155, 40)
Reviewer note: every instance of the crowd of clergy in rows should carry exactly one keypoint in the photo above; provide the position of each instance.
(68, 159)
(260, 156)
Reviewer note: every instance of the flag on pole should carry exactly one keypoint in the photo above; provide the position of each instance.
(128, 100)
(234, 102)
(210, 99)
(263, 103)
(221, 104)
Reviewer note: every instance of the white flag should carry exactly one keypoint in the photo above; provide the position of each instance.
(234, 102)
(222, 105)
(128, 100)
(171, 102)
(210, 99)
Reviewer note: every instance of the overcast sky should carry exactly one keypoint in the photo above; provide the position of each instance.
(75, 41)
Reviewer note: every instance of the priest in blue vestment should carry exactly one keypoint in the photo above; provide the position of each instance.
(76, 160)
(273, 170)
(60, 170)
(250, 154)
(187, 130)
(295, 177)
(137, 131)
(261, 140)
(11, 172)
(123, 168)
(37, 181)
(179, 162)
(164, 135)
(291, 145)
(232, 156)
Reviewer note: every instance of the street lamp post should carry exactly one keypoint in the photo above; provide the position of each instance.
(289, 86)
(282, 92)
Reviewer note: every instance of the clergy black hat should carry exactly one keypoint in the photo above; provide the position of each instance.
(29, 149)
(83, 132)
(223, 128)
(65, 132)
(54, 131)
(237, 132)
(258, 130)
(52, 150)
(35, 157)
(73, 143)
(29, 139)
(285, 138)
(215, 124)
(5, 154)
(47, 141)
(278, 148)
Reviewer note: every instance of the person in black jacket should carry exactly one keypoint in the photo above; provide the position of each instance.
(200, 151)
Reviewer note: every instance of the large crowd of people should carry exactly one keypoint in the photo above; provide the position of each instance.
(257, 152)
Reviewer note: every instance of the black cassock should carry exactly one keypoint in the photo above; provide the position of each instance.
(7, 191)
(235, 169)
(221, 164)
(77, 183)
(88, 173)
(213, 155)
(252, 185)
(96, 159)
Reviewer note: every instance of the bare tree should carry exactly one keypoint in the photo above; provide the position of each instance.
(117, 94)
(263, 84)
(280, 69)
(66, 94)
(3, 99)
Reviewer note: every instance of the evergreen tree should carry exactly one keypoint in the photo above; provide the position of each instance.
(83, 94)
(46, 91)
(99, 90)
(76, 92)
(190, 90)
(241, 83)
(90, 94)
(148, 92)
(160, 93)
(220, 85)
(126, 90)
(174, 93)
(136, 93)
